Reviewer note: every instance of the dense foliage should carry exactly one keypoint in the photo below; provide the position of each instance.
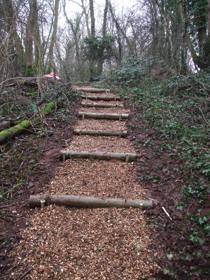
(177, 110)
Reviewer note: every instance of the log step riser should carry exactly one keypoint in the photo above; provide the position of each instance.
(93, 90)
(87, 202)
(102, 105)
(127, 157)
(84, 115)
(101, 98)
(101, 133)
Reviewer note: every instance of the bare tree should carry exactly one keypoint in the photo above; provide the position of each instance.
(51, 63)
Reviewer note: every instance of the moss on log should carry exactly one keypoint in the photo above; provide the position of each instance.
(48, 108)
(14, 130)
(25, 124)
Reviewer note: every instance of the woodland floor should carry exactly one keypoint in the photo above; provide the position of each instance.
(60, 243)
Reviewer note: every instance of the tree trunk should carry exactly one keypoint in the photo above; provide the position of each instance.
(37, 41)
(104, 27)
(92, 18)
(14, 49)
(29, 44)
(209, 19)
(120, 29)
(86, 17)
(51, 64)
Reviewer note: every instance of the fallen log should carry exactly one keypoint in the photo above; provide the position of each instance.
(28, 81)
(106, 116)
(98, 105)
(101, 133)
(88, 201)
(128, 157)
(5, 124)
(25, 124)
(102, 97)
(14, 130)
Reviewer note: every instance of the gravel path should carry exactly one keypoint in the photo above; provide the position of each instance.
(89, 244)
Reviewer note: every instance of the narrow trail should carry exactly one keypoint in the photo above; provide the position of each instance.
(61, 243)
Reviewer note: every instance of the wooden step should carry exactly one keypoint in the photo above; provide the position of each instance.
(97, 105)
(102, 97)
(128, 157)
(101, 133)
(41, 200)
(94, 90)
(105, 116)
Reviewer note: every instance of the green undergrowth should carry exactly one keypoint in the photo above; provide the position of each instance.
(177, 110)
(19, 156)
(23, 125)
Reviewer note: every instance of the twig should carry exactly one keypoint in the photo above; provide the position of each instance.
(6, 206)
(24, 274)
(167, 214)
(204, 118)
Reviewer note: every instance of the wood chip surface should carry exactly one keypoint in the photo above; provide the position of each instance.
(80, 176)
(101, 143)
(87, 244)
(101, 125)
(90, 244)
